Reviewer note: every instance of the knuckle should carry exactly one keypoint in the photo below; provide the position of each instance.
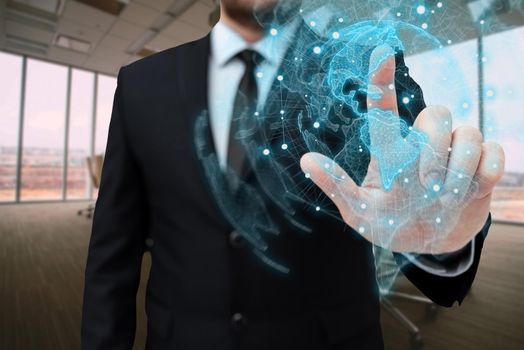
(468, 133)
(491, 177)
(436, 117)
(494, 148)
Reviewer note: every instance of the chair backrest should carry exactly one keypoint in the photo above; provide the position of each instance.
(94, 166)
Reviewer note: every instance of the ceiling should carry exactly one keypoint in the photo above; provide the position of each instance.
(99, 40)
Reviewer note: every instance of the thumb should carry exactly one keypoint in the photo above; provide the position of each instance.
(332, 180)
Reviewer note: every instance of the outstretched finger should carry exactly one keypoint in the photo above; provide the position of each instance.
(381, 82)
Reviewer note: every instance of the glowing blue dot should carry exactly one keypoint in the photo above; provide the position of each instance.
(424, 26)
(406, 180)
(284, 146)
(484, 59)
(273, 31)
(465, 105)
(468, 152)
(399, 14)
(307, 175)
(363, 206)
(460, 176)
(490, 93)
(317, 208)
(391, 221)
(341, 20)
(265, 152)
(436, 188)
(336, 35)
(260, 74)
(455, 190)
(438, 220)
(312, 23)
(256, 114)
(326, 165)
(439, 4)
(316, 125)
(449, 41)
(426, 196)
(317, 50)
(405, 100)
(421, 9)
(495, 165)
(282, 111)
(361, 229)
(481, 21)
(280, 78)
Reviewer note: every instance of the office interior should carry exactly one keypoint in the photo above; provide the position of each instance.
(58, 65)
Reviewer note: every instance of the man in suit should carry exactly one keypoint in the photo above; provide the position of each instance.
(209, 288)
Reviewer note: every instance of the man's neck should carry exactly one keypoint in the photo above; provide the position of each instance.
(249, 29)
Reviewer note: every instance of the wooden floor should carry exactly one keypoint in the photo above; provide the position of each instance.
(43, 252)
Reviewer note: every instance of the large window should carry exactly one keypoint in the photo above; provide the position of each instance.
(46, 89)
(64, 113)
(504, 116)
(459, 92)
(106, 91)
(44, 130)
(502, 99)
(10, 90)
(80, 133)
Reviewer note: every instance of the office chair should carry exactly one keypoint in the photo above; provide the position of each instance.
(387, 273)
(94, 167)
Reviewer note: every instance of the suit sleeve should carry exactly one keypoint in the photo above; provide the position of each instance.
(117, 243)
(443, 290)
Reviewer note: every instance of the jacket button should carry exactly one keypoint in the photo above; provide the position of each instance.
(236, 239)
(238, 321)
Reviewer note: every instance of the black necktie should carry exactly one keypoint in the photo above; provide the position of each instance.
(243, 109)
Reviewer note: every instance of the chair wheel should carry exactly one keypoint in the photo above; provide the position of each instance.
(416, 342)
(431, 311)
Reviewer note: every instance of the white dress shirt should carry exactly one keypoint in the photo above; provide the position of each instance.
(225, 73)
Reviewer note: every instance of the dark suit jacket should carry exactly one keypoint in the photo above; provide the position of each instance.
(206, 289)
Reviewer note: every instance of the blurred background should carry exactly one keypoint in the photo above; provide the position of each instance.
(58, 66)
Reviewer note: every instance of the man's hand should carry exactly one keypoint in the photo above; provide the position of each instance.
(428, 188)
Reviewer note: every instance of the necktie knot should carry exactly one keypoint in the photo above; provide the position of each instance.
(250, 58)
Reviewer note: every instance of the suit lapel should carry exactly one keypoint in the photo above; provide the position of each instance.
(192, 77)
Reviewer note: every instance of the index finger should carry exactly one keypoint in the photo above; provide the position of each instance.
(381, 81)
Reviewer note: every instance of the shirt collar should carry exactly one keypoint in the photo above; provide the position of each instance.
(226, 43)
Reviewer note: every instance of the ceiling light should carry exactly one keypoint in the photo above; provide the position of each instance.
(141, 41)
(70, 43)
